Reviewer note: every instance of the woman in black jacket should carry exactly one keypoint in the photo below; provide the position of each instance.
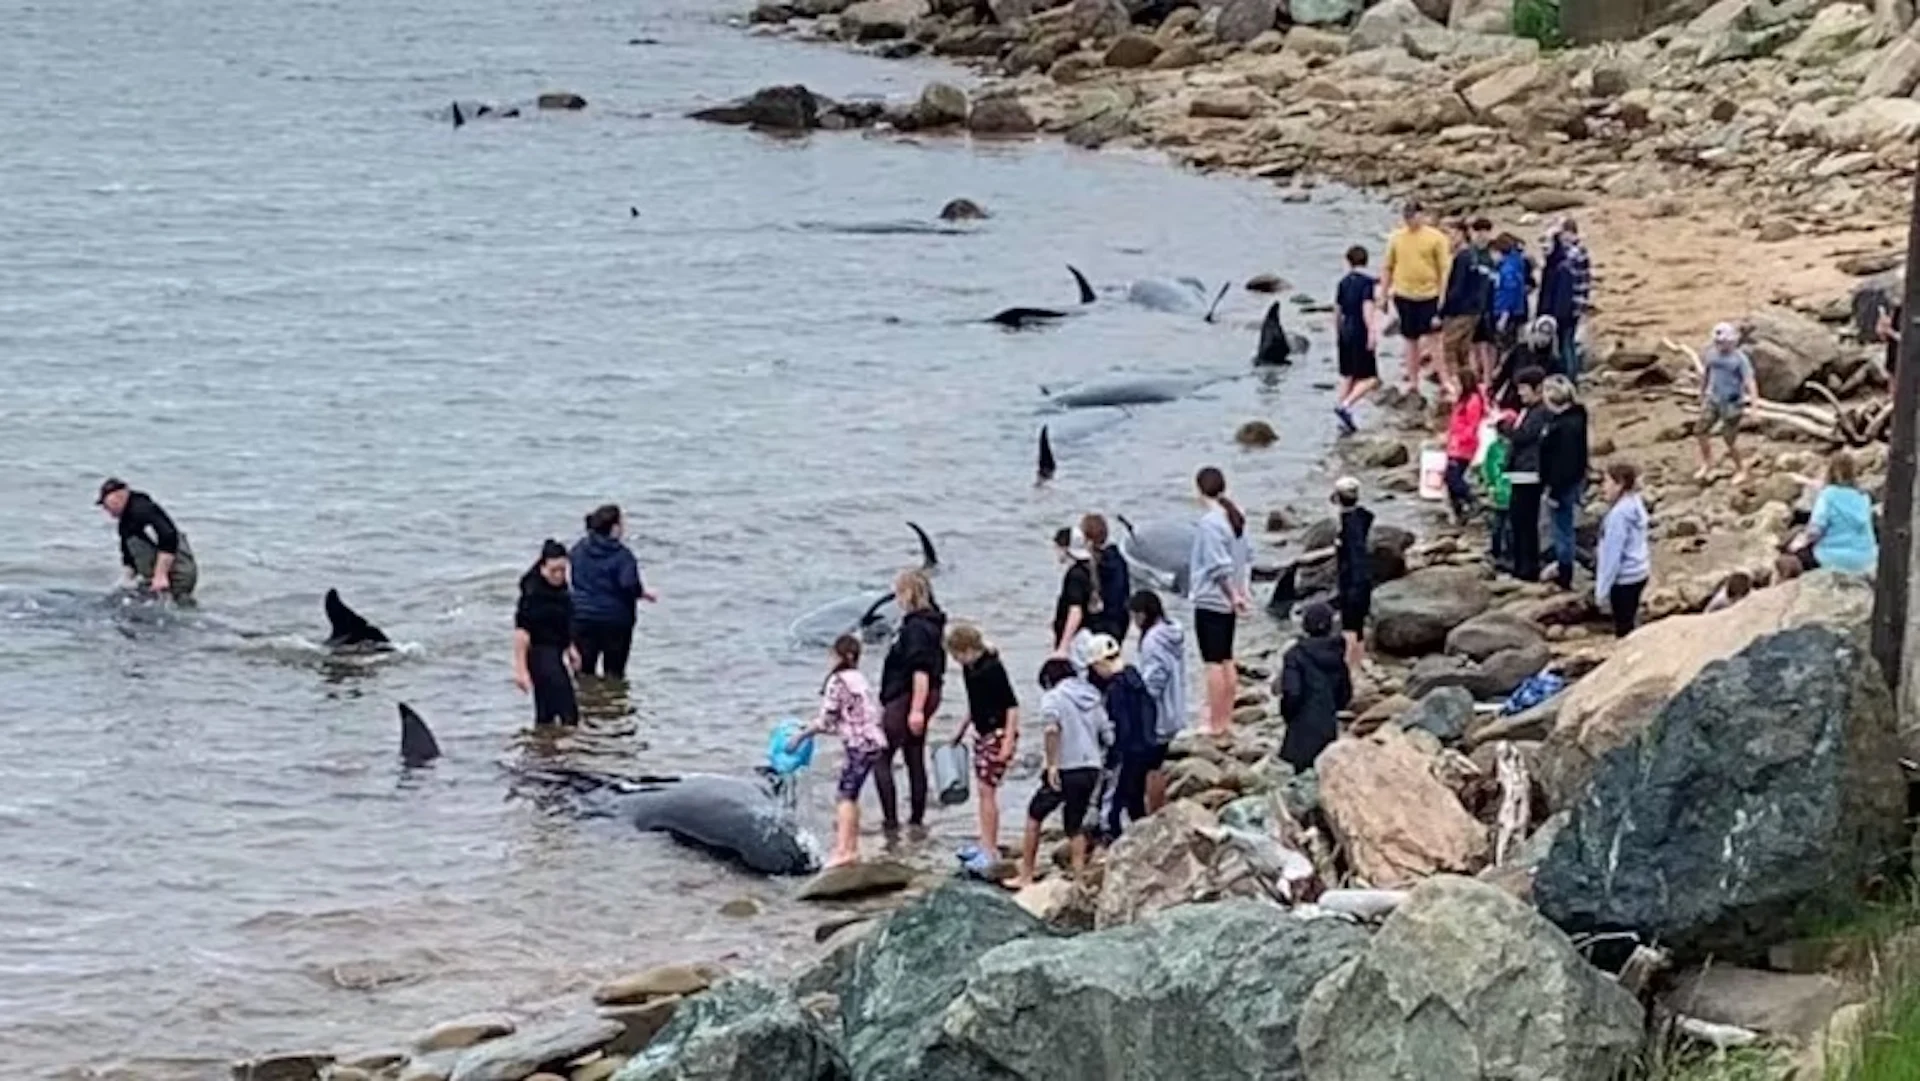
(1537, 348)
(1525, 434)
(1563, 468)
(1315, 685)
(910, 682)
(544, 659)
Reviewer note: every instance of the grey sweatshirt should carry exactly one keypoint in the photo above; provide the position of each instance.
(1624, 557)
(1085, 731)
(1163, 665)
(1219, 560)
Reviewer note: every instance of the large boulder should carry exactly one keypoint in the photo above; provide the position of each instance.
(1767, 791)
(742, 1030)
(1481, 16)
(1614, 703)
(941, 105)
(1415, 614)
(1485, 635)
(881, 20)
(1002, 115)
(1134, 50)
(1322, 13)
(915, 963)
(1837, 32)
(1867, 124)
(1513, 84)
(1896, 71)
(1182, 856)
(1098, 19)
(1444, 713)
(1465, 982)
(1497, 676)
(1422, 830)
(1237, 22)
(776, 108)
(1202, 993)
(511, 1058)
(1787, 349)
(1386, 24)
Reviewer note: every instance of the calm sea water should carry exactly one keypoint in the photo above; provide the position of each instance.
(247, 267)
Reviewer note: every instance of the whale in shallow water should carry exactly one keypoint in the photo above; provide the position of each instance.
(1022, 318)
(348, 631)
(1177, 295)
(1159, 552)
(750, 822)
(1278, 346)
(872, 615)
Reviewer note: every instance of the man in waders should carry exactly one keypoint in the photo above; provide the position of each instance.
(154, 551)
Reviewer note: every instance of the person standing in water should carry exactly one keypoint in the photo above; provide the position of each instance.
(153, 550)
(1217, 585)
(993, 718)
(1357, 336)
(847, 710)
(544, 659)
(910, 682)
(606, 587)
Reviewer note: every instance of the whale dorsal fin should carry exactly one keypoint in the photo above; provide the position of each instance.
(929, 558)
(1086, 291)
(417, 745)
(872, 614)
(457, 118)
(1047, 463)
(347, 626)
(1274, 347)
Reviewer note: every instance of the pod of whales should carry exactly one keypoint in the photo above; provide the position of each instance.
(1021, 318)
(870, 615)
(748, 822)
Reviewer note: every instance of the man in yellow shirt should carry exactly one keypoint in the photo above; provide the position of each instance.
(1418, 257)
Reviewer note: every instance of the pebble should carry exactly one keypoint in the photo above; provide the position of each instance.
(464, 1032)
(740, 908)
(657, 983)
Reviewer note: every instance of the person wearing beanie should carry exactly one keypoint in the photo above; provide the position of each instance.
(1314, 687)
(544, 659)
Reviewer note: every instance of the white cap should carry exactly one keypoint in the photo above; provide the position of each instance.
(1347, 486)
(1726, 334)
(1101, 648)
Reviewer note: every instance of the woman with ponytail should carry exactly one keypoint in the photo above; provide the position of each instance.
(1217, 583)
(544, 659)
(1112, 584)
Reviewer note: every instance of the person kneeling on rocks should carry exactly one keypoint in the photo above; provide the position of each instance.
(1314, 687)
(1077, 736)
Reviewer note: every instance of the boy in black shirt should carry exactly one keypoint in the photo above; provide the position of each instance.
(1356, 335)
(993, 716)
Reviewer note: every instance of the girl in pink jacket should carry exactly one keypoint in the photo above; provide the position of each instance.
(849, 710)
(1463, 441)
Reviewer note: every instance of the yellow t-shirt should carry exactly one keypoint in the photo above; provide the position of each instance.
(1417, 262)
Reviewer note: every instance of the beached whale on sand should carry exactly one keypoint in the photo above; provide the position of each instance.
(348, 631)
(871, 615)
(1278, 345)
(1159, 552)
(1022, 318)
(750, 822)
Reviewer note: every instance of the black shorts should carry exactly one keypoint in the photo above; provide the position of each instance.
(1151, 760)
(1483, 332)
(1354, 612)
(1215, 631)
(1075, 794)
(1417, 317)
(1357, 361)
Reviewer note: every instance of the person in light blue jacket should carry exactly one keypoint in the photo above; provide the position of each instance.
(1163, 664)
(1625, 562)
(1217, 576)
(1840, 535)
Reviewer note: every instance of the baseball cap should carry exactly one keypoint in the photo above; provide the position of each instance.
(1102, 649)
(1726, 334)
(108, 487)
(1347, 486)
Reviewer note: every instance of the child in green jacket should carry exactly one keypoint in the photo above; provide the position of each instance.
(1493, 476)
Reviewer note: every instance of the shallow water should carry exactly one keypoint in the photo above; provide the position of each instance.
(346, 346)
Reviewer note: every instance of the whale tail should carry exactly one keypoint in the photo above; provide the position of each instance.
(348, 628)
(1079, 279)
(929, 558)
(458, 118)
(1217, 298)
(417, 745)
(1275, 347)
(1047, 463)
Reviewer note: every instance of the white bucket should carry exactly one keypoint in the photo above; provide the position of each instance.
(1433, 474)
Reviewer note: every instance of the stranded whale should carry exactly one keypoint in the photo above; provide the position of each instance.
(349, 631)
(1159, 552)
(1021, 318)
(871, 615)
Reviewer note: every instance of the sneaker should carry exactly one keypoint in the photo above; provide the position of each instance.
(1347, 426)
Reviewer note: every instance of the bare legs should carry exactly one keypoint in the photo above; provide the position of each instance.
(1221, 684)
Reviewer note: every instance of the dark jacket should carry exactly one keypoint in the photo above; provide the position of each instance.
(920, 646)
(1559, 286)
(1353, 562)
(1116, 588)
(606, 580)
(142, 517)
(1506, 392)
(1314, 687)
(1524, 437)
(1135, 717)
(1469, 284)
(1563, 450)
(545, 612)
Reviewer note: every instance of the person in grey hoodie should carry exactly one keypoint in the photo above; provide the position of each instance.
(1078, 734)
(1217, 584)
(1625, 563)
(1163, 664)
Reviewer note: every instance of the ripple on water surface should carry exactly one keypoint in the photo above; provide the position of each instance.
(349, 347)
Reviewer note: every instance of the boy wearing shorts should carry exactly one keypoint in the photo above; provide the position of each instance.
(1357, 336)
(993, 716)
(1078, 734)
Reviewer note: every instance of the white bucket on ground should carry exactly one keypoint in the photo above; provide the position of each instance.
(1433, 474)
